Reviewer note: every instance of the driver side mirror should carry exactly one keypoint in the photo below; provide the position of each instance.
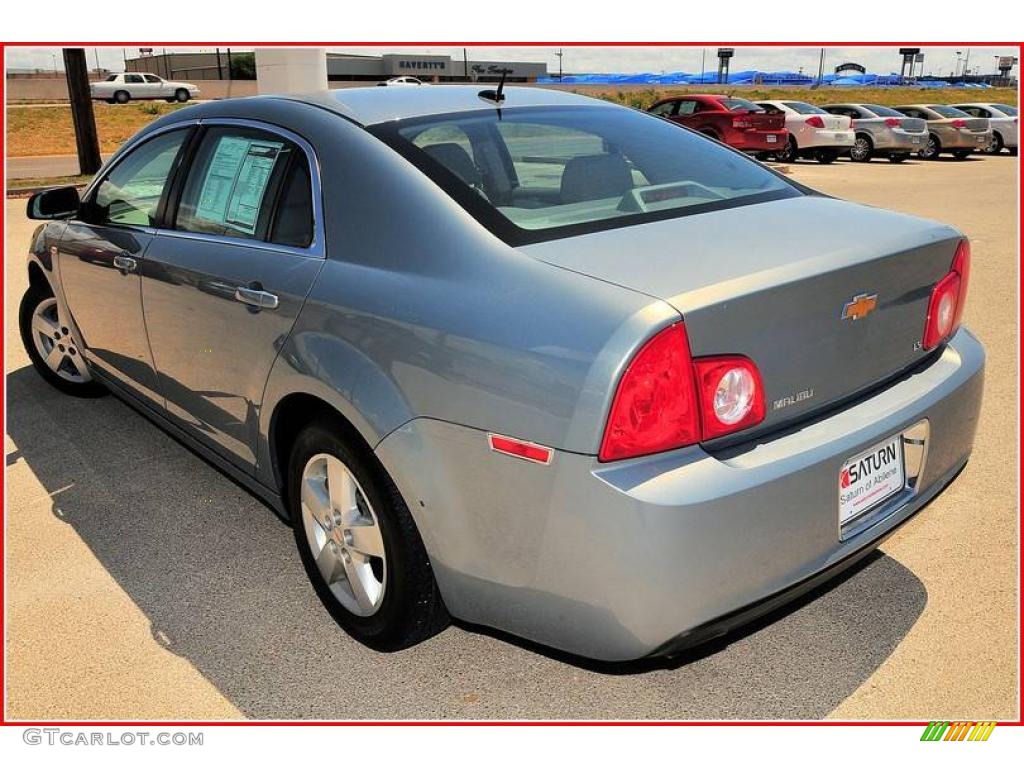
(59, 203)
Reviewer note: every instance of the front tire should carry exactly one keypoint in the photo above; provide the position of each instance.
(359, 544)
(52, 347)
(181, 95)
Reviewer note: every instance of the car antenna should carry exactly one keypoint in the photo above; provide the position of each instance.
(496, 96)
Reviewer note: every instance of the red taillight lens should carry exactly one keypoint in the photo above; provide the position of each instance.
(893, 122)
(946, 306)
(742, 123)
(815, 122)
(731, 395)
(958, 124)
(655, 408)
(666, 400)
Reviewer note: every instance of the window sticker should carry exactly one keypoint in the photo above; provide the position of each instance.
(236, 181)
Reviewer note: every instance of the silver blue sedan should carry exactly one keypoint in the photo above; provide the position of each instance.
(535, 361)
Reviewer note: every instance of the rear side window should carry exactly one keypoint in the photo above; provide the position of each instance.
(740, 105)
(248, 184)
(538, 173)
(1006, 109)
(133, 78)
(152, 79)
(945, 111)
(804, 108)
(130, 194)
(881, 111)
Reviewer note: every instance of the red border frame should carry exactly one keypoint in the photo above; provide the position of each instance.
(4, 722)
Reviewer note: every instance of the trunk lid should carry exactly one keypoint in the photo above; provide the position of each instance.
(913, 124)
(758, 121)
(772, 282)
(976, 124)
(832, 122)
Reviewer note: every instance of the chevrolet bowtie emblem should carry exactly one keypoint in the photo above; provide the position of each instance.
(860, 306)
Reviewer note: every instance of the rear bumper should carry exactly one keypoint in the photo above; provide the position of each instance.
(898, 140)
(963, 139)
(757, 141)
(821, 138)
(620, 561)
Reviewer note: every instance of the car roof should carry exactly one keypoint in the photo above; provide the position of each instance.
(370, 106)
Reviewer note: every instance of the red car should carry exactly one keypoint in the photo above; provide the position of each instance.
(739, 123)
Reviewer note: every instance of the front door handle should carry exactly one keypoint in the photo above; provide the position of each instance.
(256, 298)
(125, 263)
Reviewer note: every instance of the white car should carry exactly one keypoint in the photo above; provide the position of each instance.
(406, 80)
(813, 132)
(1002, 118)
(124, 87)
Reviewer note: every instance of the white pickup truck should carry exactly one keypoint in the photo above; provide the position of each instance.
(122, 88)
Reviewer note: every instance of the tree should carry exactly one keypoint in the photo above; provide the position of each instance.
(243, 66)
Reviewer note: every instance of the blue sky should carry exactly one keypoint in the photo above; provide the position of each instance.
(938, 61)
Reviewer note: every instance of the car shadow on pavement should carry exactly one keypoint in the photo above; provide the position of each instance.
(215, 573)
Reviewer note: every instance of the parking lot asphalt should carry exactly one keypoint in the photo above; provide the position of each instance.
(143, 584)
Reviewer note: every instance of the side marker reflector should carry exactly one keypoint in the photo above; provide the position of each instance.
(521, 449)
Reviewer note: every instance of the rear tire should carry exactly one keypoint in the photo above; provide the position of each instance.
(995, 146)
(52, 347)
(790, 153)
(932, 149)
(826, 156)
(392, 600)
(122, 97)
(862, 149)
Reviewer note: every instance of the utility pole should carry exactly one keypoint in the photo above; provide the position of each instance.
(821, 66)
(76, 70)
(465, 65)
(229, 64)
(702, 50)
(967, 60)
(96, 57)
(220, 69)
(559, 55)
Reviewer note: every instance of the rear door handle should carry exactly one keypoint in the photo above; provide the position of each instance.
(256, 298)
(125, 263)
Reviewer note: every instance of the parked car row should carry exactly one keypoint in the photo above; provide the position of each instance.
(789, 129)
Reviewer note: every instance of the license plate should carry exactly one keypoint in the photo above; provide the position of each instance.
(771, 139)
(840, 137)
(916, 140)
(981, 139)
(868, 479)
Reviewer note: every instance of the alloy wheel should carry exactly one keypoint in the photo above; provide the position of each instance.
(343, 534)
(861, 149)
(56, 345)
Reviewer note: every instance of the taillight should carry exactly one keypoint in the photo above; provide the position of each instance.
(893, 122)
(946, 306)
(731, 395)
(667, 400)
(742, 123)
(958, 123)
(815, 122)
(655, 408)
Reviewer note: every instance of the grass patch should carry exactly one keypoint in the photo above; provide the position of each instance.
(641, 98)
(33, 131)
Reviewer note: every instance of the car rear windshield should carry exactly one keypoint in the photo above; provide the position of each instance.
(741, 105)
(540, 173)
(805, 109)
(881, 111)
(1006, 109)
(945, 111)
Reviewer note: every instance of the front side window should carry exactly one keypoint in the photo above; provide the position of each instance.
(111, 78)
(537, 173)
(664, 109)
(130, 194)
(235, 181)
(133, 78)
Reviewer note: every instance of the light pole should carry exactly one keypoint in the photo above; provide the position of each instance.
(956, 72)
(559, 55)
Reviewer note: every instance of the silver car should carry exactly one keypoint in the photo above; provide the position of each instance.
(1003, 120)
(516, 356)
(950, 130)
(883, 131)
